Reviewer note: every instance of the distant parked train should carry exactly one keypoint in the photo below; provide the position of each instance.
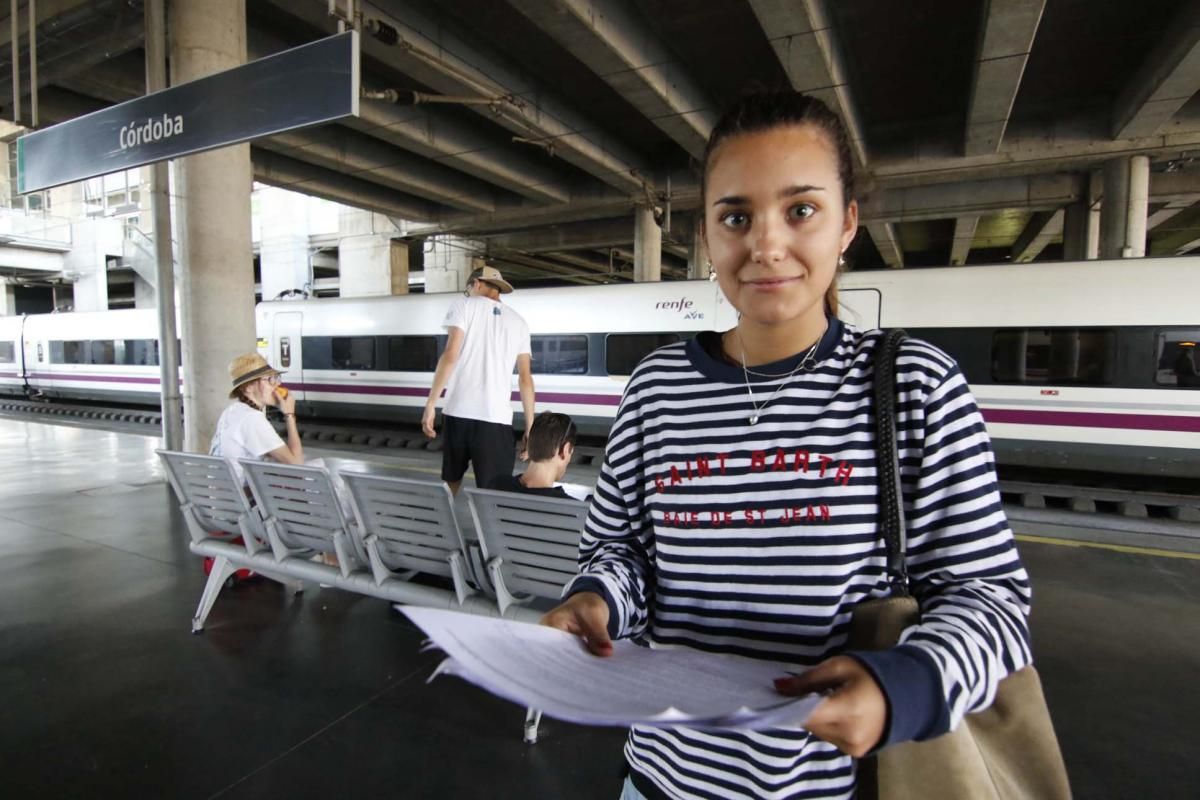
(1088, 365)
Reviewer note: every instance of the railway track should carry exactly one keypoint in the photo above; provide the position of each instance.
(1052, 507)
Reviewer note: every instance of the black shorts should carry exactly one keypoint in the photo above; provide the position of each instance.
(488, 446)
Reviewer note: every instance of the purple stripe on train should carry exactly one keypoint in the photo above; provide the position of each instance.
(1070, 419)
(414, 391)
(72, 376)
(1094, 419)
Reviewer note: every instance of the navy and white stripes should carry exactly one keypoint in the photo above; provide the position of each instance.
(710, 533)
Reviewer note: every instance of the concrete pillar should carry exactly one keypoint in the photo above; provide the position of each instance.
(8, 300)
(647, 246)
(213, 220)
(283, 244)
(1081, 228)
(448, 263)
(398, 255)
(1123, 214)
(373, 264)
(698, 266)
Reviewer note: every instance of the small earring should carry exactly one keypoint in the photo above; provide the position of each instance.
(712, 276)
(841, 260)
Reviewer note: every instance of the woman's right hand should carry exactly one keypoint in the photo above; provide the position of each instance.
(584, 614)
(288, 404)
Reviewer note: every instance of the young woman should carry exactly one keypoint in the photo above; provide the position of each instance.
(243, 430)
(736, 508)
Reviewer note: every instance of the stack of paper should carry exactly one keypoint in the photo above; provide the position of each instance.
(550, 670)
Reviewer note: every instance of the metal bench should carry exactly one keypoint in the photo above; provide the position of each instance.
(217, 512)
(409, 527)
(301, 509)
(530, 544)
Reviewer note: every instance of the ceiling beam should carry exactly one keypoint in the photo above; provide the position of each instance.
(297, 176)
(1169, 211)
(58, 65)
(1188, 247)
(1009, 27)
(964, 235)
(353, 154)
(1042, 229)
(1177, 238)
(1166, 80)
(802, 35)
(971, 198)
(438, 135)
(1031, 147)
(592, 235)
(621, 49)
(884, 236)
(437, 57)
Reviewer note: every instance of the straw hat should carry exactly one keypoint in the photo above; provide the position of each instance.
(249, 367)
(492, 275)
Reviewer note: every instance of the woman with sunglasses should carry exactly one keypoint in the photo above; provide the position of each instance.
(243, 430)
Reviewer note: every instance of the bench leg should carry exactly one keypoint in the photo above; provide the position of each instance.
(221, 570)
(533, 718)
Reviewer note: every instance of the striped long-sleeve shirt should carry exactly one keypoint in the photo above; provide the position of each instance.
(709, 532)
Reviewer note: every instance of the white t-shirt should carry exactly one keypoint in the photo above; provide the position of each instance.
(243, 432)
(482, 383)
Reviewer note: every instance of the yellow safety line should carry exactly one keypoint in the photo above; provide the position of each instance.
(1120, 548)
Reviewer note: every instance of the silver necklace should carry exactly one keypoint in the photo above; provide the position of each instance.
(807, 362)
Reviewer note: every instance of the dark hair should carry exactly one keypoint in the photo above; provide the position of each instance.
(549, 432)
(763, 110)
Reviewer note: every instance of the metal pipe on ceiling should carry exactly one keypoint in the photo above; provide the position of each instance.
(16, 62)
(33, 78)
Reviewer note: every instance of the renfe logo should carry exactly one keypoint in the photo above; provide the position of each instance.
(152, 130)
(674, 305)
(681, 305)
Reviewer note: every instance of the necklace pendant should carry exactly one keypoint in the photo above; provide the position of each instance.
(754, 419)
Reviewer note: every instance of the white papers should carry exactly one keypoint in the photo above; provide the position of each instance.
(551, 671)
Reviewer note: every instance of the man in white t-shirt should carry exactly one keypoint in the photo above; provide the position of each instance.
(486, 338)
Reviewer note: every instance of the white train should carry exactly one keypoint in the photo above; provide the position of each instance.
(1086, 365)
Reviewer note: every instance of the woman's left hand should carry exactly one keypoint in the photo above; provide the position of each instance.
(854, 712)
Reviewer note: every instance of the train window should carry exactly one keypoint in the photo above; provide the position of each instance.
(104, 352)
(69, 352)
(352, 352)
(559, 355)
(1177, 359)
(412, 353)
(1061, 356)
(7, 353)
(623, 351)
(141, 352)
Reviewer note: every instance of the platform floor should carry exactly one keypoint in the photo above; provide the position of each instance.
(104, 692)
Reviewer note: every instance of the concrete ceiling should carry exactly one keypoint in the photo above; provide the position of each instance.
(974, 121)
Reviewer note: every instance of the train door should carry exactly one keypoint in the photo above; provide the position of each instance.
(286, 347)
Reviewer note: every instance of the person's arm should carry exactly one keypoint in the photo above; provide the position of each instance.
(525, 382)
(293, 451)
(964, 569)
(612, 596)
(445, 368)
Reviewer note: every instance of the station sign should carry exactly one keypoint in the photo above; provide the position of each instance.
(307, 85)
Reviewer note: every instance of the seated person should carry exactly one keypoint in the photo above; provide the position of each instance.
(243, 430)
(550, 447)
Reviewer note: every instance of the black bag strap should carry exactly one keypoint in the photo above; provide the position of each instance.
(887, 460)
